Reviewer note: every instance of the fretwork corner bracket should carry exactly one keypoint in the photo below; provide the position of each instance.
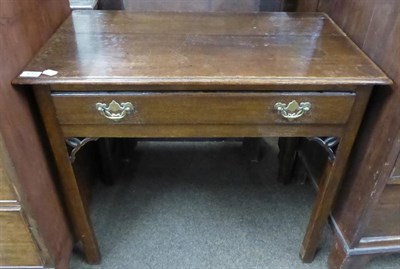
(328, 144)
(76, 144)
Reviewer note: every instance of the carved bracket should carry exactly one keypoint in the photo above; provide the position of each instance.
(76, 144)
(328, 143)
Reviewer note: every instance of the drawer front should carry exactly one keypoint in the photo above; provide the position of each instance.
(202, 108)
(385, 219)
(16, 244)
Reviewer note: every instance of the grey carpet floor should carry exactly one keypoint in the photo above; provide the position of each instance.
(200, 205)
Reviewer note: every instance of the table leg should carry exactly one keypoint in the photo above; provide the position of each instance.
(253, 149)
(332, 178)
(75, 205)
(287, 158)
(107, 161)
(115, 155)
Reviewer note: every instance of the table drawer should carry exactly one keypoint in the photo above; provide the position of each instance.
(203, 108)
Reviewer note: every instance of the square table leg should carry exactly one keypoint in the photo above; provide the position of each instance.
(75, 205)
(332, 177)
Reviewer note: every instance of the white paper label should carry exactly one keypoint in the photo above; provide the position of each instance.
(30, 74)
(49, 72)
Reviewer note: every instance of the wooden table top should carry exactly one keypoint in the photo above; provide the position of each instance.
(116, 47)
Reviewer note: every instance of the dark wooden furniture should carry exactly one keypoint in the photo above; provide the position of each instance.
(367, 220)
(201, 75)
(368, 208)
(114, 151)
(15, 236)
(33, 226)
(366, 217)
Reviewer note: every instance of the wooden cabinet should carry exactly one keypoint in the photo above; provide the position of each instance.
(367, 215)
(17, 246)
(366, 218)
(33, 229)
(368, 208)
(7, 194)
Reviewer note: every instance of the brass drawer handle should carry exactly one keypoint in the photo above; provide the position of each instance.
(115, 111)
(293, 110)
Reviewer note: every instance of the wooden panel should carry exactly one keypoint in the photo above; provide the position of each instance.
(271, 5)
(368, 173)
(235, 6)
(375, 26)
(24, 28)
(166, 5)
(301, 5)
(354, 17)
(382, 39)
(16, 245)
(326, 6)
(6, 191)
(184, 5)
(188, 24)
(276, 48)
(395, 176)
(204, 108)
(385, 219)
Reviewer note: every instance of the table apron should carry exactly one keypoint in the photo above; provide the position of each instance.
(202, 130)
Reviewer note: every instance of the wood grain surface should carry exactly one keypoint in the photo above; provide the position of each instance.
(375, 26)
(16, 244)
(6, 191)
(24, 27)
(204, 108)
(106, 52)
(110, 47)
(369, 205)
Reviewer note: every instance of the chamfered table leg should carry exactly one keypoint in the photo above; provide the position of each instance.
(72, 197)
(332, 178)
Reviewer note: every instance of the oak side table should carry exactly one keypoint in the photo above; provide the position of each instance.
(123, 74)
